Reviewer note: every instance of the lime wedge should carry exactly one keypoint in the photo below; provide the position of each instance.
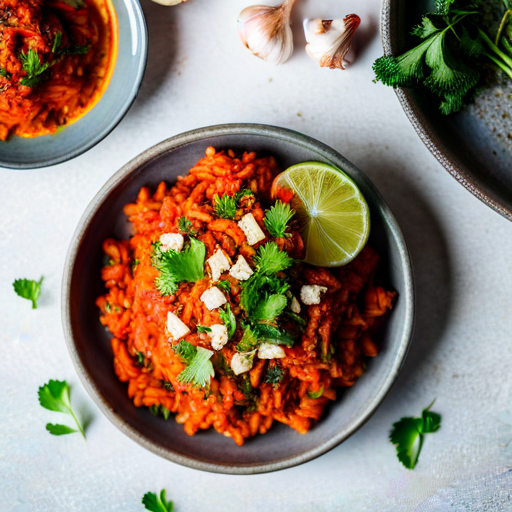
(334, 215)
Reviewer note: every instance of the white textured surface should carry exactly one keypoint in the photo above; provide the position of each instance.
(199, 74)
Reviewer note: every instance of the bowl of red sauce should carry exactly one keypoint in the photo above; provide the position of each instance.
(69, 72)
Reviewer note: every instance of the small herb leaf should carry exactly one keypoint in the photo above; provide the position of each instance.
(28, 289)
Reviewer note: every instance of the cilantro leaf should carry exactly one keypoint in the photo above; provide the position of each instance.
(59, 430)
(203, 328)
(54, 396)
(176, 267)
(5, 73)
(277, 218)
(57, 42)
(242, 193)
(224, 285)
(270, 308)
(28, 289)
(155, 503)
(31, 64)
(270, 259)
(316, 394)
(408, 435)
(257, 289)
(200, 369)
(272, 334)
(186, 351)
(248, 342)
(225, 206)
(186, 226)
(229, 319)
(274, 375)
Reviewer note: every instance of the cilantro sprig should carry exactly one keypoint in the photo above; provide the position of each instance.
(270, 259)
(186, 227)
(229, 319)
(199, 368)
(155, 503)
(408, 435)
(277, 218)
(32, 65)
(28, 289)
(225, 206)
(54, 396)
(176, 267)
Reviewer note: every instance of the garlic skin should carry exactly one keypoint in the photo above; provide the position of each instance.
(266, 31)
(329, 40)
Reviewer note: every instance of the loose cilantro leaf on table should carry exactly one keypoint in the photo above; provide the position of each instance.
(54, 396)
(156, 503)
(28, 289)
(176, 267)
(227, 316)
(277, 218)
(408, 435)
(199, 370)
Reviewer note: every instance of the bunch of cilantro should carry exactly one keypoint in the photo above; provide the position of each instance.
(450, 58)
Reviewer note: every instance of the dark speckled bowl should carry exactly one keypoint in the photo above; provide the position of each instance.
(89, 342)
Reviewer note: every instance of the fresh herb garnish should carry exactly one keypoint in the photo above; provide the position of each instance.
(277, 218)
(224, 285)
(141, 359)
(28, 289)
(31, 64)
(249, 341)
(5, 73)
(274, 375)
(156, 410)
(448, 62)
(54, 396)
(167, 385)
(186, 351)
(296, 319)
(203, 328)
(269, 308)
(199, 370)
(272, 334)
(270, 259)
(176, 267)
(156, 503)
(185, 226)
(225, 206)
(408, 433)
(227, 316)
(316, 394)
(242, 193)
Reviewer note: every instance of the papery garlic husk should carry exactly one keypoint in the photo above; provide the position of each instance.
(266, 31)
(329, 40)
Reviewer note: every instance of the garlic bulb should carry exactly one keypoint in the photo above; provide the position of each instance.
(329, 40)
(266, 31)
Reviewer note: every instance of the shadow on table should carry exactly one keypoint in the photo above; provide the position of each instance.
(163, 44)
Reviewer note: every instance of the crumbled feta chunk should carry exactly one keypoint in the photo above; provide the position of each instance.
(218, 264)
(251, 229)
(295, 305)
(213, 298)
(172, 241)
(241, 269)
(242, 362)
(218, 336)
(310, 294)
(177, 329)
(270, 351)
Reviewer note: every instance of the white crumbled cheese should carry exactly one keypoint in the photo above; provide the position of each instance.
(242, 362)
(270, 351)
(213, 298)
(218, 264)
(295, 305)
(177, 329)
(172, 241)
(310, 294)
(241, 269)
(218, 336)
(251, 229)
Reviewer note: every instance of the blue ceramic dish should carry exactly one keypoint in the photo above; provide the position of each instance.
(79, 137)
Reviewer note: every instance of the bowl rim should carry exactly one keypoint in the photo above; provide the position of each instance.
(171, 144)
(425, 132)
(140, 20)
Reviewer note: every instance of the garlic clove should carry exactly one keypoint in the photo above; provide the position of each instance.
(266, 31)
(329, 40)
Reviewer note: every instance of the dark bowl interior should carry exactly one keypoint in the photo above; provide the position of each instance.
(89, 342)
(474, 145)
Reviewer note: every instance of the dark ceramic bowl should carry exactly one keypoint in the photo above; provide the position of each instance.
(89, 343)
(86, 132)
(474, 145)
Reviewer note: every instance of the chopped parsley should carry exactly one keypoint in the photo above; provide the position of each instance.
(408, 435)
(227, 316)
(155, 503)
(54, 396)
(176, 267)
(274, 375)
(277, 218)
(224, 285)
(185, 226)
(167, 385)
(28, 289)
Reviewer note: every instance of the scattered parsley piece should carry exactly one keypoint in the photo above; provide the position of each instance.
(186, 226)
(156, 503)
(227, 316)
(200, 369)
(274, 375)
(407, 435)
(224, 285)
(176, 267)
(28, 289)
(316, 394)
(31, 64)
(54, 396)
(270, 259)
(203, 328)
(225, 206)
(277, 218)
(5, 73)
